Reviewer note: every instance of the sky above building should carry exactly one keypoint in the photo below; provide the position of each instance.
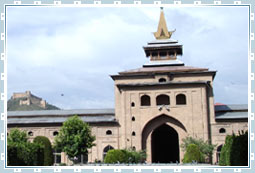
(66, 55)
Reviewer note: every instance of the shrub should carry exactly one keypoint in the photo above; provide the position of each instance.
(21, 152)
(125, 156)
(32, 154)
(235, 150)
(225, 151)
(12, 156)
(48, 154)
(205, 148)
(115, 156)
(24, 154)
(239, 152)
(192, 154)
(136, 156)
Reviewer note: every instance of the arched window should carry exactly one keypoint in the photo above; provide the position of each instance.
(133, 133)
(108, 132)
(133, 148)
(219, 148)
(162, 80)
(55, 133)
(145, 100)
(222, 130)
(106, 149)
(181, 99)
(163, 100)
(30, 133)
(132, 104)
(133, 118)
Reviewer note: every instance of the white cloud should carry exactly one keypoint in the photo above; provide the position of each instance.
(73, 50)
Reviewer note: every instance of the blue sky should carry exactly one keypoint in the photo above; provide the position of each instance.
(72, 51)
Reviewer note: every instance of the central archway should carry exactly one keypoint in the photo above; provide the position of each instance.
(165, 145)
(176, 131)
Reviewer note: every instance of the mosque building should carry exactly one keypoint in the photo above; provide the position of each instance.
(156, 107)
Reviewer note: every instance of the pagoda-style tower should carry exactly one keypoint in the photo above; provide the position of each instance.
(164, 50)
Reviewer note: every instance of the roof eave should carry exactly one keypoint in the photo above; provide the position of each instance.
(161, 84)
(152, 74)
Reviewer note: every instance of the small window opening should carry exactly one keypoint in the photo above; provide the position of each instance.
(222, 130)
(181, 99)
(162, 80)
(30, 133)
(145, 100)
(132, 104)
(108, 132)
(133, 133)
(55, 133)
(163, 100)
(134, 149)
(133, 118)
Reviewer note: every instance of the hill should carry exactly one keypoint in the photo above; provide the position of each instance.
(26, 102)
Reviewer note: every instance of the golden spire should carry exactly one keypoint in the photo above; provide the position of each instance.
(162, 32)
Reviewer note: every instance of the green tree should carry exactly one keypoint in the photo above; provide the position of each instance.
(235, 150)
(239, 151)
(74, 138)
(192, 154)
(205, 148)
(21, 152)
(226, 150)
(17, 136)
(48, 154)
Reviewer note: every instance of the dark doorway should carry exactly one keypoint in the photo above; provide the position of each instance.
(165, 145)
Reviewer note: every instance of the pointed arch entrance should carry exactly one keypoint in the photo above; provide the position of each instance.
(161, 138)
(165, 145)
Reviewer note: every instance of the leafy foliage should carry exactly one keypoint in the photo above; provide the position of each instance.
(48, 154)
(135, 156)
(115, 156)
(205, 148)
(74, 138)
(225, 151)
(17, 136)
(239, 152)
(21, 152)
(235, 150)
(125, 156)
(192, 154)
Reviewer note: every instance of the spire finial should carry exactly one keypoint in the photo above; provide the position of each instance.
(162, 32)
